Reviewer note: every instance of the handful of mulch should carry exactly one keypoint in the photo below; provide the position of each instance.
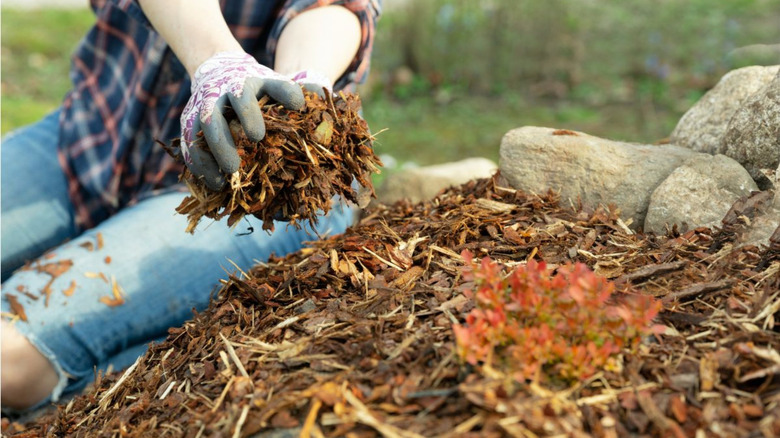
(305, 159)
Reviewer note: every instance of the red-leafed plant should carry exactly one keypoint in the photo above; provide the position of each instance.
(532, 324)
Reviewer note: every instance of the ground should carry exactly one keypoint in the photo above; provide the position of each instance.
(353, 337)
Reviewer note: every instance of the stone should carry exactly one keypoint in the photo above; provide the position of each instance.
(761, 227)
(753, 133)
(703, 126)
(777, 188)
(764, 223)
(594, 170)
(698, 193)
(423, 183)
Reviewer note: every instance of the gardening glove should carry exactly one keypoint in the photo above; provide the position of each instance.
(312, 80)
(238, 80)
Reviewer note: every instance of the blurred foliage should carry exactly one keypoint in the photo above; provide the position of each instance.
(423, 131)
(593, 50)
(36, 47)
(450, 77)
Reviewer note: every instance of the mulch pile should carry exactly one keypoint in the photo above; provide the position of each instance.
(305, 159)
(352, 337)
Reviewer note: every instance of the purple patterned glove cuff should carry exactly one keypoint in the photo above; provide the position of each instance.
(218, 69)
(312, 77)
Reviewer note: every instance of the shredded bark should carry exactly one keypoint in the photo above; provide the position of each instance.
(352, 337)
(306, 158)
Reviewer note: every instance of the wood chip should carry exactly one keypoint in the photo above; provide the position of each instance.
(305, 159)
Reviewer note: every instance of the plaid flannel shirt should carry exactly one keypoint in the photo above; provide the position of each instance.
(129, 90)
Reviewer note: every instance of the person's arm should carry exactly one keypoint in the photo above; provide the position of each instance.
(322, 40)
(194, 29)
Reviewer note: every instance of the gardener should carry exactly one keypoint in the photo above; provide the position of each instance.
(89, 197)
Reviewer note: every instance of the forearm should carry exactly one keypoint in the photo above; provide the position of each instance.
(190, 29)
(324, 39)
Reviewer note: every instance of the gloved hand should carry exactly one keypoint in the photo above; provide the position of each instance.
(238, 80)
(312, 80)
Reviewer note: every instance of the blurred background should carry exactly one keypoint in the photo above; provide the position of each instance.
(450, 77)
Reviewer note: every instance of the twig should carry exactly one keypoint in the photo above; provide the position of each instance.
(105, 399)
(697, 289)
(223, 394)
(366, 417)
(234, 356)
(241, 421)
(311, 418)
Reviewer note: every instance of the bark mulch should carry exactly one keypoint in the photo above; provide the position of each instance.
(305, 159)
(352, 336)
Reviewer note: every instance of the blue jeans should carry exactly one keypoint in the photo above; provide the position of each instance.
(161, 271)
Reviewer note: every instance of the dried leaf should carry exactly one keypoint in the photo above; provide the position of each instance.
(72, 288)
(97, 275)
(117, 298)
(678, 408)
(16, 307)
(88, 245)
(55, 269)
(324, 132)
(708, 373)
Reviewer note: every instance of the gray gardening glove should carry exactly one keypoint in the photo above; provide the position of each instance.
(238, 80)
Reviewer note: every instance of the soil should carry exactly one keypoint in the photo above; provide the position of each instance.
(353, 336)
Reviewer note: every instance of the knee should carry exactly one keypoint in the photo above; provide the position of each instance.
(26, 375)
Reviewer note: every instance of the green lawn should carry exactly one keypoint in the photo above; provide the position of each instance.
(419, 130)
(36, 47)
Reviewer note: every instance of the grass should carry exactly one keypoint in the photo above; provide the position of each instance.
(36, 48)
(425, 132)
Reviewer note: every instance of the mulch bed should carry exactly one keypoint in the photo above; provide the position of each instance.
(353, 336)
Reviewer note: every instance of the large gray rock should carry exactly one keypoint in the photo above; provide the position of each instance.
(698, 193)
(753, 133)
(703, 126)
(423, 183)
(593, 169)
